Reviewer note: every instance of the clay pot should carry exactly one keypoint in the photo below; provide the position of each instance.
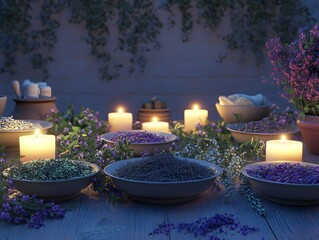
(35, 109)
(309, 128)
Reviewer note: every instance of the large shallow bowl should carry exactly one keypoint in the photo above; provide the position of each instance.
(11, 138)
(241, 136)
(162, 192)
(150, 148)
(55, 190)
(244, 113)
(284, 193)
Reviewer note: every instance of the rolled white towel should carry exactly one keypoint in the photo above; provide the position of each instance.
(225, 101)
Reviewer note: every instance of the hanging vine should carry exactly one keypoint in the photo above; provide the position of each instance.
(28, 28)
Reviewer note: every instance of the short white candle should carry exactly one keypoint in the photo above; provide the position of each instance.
(120, 120)
(194, 116)
(37, 146)
(283, 150)
(155, 126)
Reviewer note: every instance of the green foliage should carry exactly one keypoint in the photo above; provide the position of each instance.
(28, 28)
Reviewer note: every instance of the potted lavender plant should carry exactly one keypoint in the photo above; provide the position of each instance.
(296, 72)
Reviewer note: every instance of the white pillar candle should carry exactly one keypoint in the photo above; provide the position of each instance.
(283, 150)
(194, 116)
(37, 146)
(120, 120)
(155, 126)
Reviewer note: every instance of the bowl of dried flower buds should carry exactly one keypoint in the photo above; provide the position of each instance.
(141, 141)
(291, 183)
(163, 178)
(11, 129)
(52, 179)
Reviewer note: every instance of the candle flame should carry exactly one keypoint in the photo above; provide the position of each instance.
(37, 132)
(154, 119)
(195, 107)
(283, 138)
(120, 110)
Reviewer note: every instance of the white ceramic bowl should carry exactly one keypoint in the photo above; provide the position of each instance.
(150, 148)
(55, 190)
(245, 113)
(285, 193)
(3, 102)
(11, 138)
(241, 136)
(162, 192)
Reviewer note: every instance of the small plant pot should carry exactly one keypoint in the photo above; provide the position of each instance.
(309, 128)
(35, 109)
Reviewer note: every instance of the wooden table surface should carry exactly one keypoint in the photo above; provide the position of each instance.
(93, 216)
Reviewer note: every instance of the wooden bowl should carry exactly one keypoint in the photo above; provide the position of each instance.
(244, 113)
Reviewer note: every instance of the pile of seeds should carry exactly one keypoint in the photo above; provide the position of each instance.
(11, 124)
(287, 173)
(50, 170)
(138, 137)
(164, 168)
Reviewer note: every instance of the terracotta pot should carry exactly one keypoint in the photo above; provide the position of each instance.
(309, 128)
(35, 109)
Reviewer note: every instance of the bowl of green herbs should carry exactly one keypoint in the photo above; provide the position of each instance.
(52, 179)
(163, 178)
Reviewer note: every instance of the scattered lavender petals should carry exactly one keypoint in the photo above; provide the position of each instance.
(287, 173)
(138, 137)
(207, 227)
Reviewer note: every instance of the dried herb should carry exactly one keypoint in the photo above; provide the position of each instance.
(164, 168)
(50, 170)
(138, 137)
(11, 124)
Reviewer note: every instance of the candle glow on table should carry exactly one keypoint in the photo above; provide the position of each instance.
(194, 116)
(155, 126)
(283, 150)
(120, 120)
(37, 146)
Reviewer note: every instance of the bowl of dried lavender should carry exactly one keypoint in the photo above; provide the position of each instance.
(52, 179)
(141, 141)
(11, 129)
(292, 183)
(269, 128)
(163, 178)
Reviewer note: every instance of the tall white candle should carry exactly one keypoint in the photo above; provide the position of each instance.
(283, 150)
(120, 120)
(155, 126)
(194, 116)
(37, 146)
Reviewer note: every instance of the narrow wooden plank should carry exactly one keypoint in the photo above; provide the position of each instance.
(212, 202)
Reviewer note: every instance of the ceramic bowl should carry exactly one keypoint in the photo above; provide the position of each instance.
(55, 190)
(241, 136)
(244, 113)
(11, 138)
(162, 192)
(3, 102)
(284, 193)
(150, 148)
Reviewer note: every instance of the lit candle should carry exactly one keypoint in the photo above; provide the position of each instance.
(155, 126)
(194, 116)
(120, 120)
(37, 146)
(283, 150)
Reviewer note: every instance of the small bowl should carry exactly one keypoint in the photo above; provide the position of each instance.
(162, 192)
(11, 138)
(3, 102)
(241, 136)
(244, 113)
(55, 190)
(284, 193)
(150, 148)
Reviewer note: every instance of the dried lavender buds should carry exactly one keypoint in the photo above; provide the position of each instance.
(11, 124)
(50, 170)
(294, 173)
(138, 137)
(164, 168)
